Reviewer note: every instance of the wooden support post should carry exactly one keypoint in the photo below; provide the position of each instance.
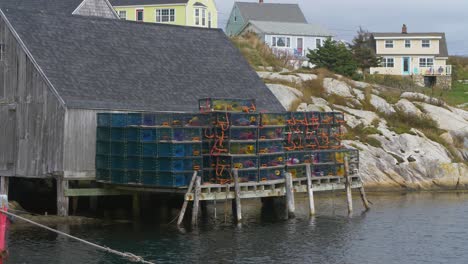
(184, 205)
(291, 207)
(365, 202)
(349, 197)
(238, 210)
(62, 200)
(310, 191)
(74, 205)
(196, 201)
(136, 210)
(4, 181)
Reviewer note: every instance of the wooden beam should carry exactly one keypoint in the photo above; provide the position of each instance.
(310, 190)
(291, 207)
(237, 189)
(95, 192)
(349, 194)
(365, 202)
(196, 202)
(184, 205)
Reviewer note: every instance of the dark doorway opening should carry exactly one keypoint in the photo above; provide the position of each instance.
(430, 81)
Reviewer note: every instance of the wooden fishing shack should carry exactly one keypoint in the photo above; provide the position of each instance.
(60, 70)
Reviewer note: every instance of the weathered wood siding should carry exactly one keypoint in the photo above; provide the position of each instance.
(35, 132)
(80, 143)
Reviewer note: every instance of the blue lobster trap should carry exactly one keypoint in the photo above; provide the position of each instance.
(273, 119)
(180, 134)
(179, 150)
(298, 158)
(180, 164)
(271, 133)
(174, 179)
(226, 105)
(269, 174)
(273, 160)
(270, 147)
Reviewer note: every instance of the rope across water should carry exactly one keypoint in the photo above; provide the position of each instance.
(129, 256)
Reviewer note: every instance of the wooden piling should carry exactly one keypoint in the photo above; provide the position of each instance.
(196, 201)
(62, 200)
(310, 191)
(184, 205)
(4, 181)
(291, 207)
(74, 205)
(136, 209)
(238, 211)
(349, 197)
(365, 202)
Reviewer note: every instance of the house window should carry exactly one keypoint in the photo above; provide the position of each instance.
(426, 43)
(139, 15)
(203, 21)
(426, 62)
(2, 52)
(318, 43)
(197, 16)
(165, 15)
(123, 15)
(407, 43)
(389, 44)
(235, 18)
(388, 62)
(281, 42)
(209, 19)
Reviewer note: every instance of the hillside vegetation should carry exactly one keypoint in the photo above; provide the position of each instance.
(409, 136)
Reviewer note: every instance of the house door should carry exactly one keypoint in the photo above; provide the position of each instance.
(300, 46)
(406, 65)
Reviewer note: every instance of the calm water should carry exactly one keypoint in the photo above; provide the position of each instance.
(411, 228)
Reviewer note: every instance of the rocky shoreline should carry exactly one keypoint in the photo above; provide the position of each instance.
(391, 159)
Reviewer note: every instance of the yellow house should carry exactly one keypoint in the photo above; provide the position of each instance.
(197, 13)
(423, 56)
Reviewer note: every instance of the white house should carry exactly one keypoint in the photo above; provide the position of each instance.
(294, 39)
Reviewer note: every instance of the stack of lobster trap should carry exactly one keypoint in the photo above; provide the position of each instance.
(163, 149)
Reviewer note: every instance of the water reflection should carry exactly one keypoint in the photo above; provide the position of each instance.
(406, 228)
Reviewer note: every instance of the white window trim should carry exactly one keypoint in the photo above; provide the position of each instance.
(385, 62)
(273, 44)
(120, 12)
(321, 43)
(160, 10)
(426, 65)
(422, 43)
(200, 16)
(390, 42)
(409, 41)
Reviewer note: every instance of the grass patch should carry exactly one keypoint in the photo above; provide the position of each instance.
(395, 81)
(402, 123)
(257, 53)
(356, 147)
(362, 133)
(398, 158)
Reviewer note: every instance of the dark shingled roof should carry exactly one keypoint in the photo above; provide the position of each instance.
(443, 50)
(97, 63)
(51, 6)
(271, 12)
(145, 2)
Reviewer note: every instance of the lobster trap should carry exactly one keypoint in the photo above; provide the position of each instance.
(180, 164)
(274, 160)
(234, 148)
(271, 133)
(179, 150)
(296, 118)
(229, 162)
(226, 105)
(188, 134)
(298, 158)
(269, 174)
(269, 147)
(226, 119)
(272, 119)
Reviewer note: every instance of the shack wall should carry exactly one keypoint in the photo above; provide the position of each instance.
(31, 115)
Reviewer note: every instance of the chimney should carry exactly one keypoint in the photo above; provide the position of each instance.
(404, 29)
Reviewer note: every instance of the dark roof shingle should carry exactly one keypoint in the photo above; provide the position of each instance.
(50, 6)
(271, 12)
(97, 63)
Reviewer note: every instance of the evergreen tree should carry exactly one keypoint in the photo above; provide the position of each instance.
(335, 56)
(363, 51)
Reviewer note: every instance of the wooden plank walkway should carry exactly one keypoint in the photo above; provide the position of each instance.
(275, 188)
